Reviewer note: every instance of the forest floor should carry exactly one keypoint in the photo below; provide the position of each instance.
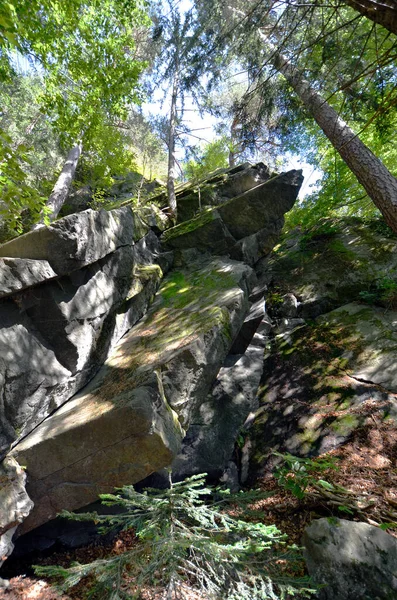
(367, 468)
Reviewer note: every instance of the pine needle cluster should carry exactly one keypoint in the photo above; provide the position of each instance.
(188, 540)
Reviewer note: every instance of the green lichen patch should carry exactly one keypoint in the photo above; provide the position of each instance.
(338, 259)
(206, 216)
(143, 274)
(189, 305)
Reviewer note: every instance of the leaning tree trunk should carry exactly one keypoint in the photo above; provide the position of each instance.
(171, 144)
(378, 182)
(383, 12)
(61, 188)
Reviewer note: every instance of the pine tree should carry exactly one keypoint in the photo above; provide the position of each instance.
(187, 537)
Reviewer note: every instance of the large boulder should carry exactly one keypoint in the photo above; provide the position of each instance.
(219, 187)
(206, 232)
(32, 380)
(216, 188)
(351, 560)
(78, 240)
(371, 340)
(245, 227)
(254, 210)
(109, 435)
(71, 291)
(124, 424)
(17, 274)
(55, 336)
(335, 262)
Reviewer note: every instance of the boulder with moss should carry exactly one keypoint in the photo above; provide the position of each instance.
(94, 276)
(128, 421)
(246, 226)
(336, 262)
(215, 188)
(325, 379)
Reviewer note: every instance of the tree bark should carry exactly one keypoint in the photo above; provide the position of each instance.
(383, 12)
(378, 182)
(233, 137)
(61, 188)
(171, 144)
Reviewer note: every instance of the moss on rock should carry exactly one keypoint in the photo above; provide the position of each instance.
(323, 381)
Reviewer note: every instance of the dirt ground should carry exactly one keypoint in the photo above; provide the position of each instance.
(367, 468)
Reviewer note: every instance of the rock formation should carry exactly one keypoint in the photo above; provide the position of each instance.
(331, 360)
(100, 376)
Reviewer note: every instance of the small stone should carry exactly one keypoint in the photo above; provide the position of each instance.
(4, 584)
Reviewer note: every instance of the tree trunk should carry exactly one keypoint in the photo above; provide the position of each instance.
(383, 12)
(379, 183)
(171, 144)
(233, 138)
(61, 188)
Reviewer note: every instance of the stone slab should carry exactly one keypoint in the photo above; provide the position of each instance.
(15, 504)
(123, 425)
(17, 274)
(78, 239)
(207, 232)
(216, 423)
(252, 211)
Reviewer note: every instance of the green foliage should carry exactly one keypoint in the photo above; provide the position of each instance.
(185, 536)
(16, 195)
(212, 156)
(86, 54)
(323, 229)
(108, 155)
(383, 292)
(386, 526)
(297, 474)
(148, 146)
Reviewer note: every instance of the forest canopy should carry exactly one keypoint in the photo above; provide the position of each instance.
(278, 77)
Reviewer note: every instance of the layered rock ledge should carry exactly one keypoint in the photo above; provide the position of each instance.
(85, 409)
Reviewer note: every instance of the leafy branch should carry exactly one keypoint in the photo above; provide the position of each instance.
(187, 541)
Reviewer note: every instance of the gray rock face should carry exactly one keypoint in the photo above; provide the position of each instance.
(289, 306)
(96, 442)
(216, 423)
(68, 295)
(371, 356)
(17, 274)
(15, 504)
(126, 423)
(78, 240)
(331, 265)
(207, 232)
(32, 380)
(253, 247)
(222, 185)
(352, 560)
(251, 323)
(245, 215)
(245, 227)
(323, 381)
(53, 337)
